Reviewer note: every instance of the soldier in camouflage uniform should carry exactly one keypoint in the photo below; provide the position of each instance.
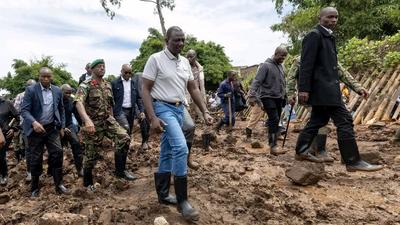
(94, 103)
(319, 143)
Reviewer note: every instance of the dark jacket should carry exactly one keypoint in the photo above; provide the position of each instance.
(69, 109)
(118, 94)
(137, 82)
(82, 78)
(226, 87)
(319, 68)
(31, 108)
(269, 81)
(7, 113)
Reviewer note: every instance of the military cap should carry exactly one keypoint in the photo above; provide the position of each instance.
(96, 62)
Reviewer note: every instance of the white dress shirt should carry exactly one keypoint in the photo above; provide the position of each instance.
(126, 103)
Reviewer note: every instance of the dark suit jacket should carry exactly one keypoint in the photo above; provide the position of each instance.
(31, 108)
(319, 68)
(118, 94)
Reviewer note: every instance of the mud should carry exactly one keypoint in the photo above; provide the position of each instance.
(236, 184)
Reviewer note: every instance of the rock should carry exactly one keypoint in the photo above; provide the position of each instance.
(121, 185)
(371, 157)
(63, 219)
(257, 144)
(305, 173)
(160, 221)
(4, 198)
(397, 160)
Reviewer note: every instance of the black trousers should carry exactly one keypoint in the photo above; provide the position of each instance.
(320, 116)
(75, 146)
(50, 139)
(3, 156)
(125, 119)
(145, 130)
(273, 108)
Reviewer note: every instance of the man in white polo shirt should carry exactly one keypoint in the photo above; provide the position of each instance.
(166, 77)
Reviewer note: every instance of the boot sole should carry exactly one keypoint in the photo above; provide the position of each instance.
(305, 158)
(352, 169)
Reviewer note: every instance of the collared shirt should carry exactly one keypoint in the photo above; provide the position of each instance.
(48, 110)
(170, 75)
(127, 103)
(327, 29)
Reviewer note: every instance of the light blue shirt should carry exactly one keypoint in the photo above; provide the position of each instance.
(48, 110)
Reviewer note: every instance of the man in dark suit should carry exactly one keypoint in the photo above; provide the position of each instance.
(319, 87)
(126, 98)
(86, 75)
(43, 112)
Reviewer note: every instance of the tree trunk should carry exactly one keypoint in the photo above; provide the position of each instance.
(161, 17)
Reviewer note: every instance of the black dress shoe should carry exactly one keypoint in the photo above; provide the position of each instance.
(61, 189)
(126, 175)
(361, 165)
(35, 193)
(307, 156)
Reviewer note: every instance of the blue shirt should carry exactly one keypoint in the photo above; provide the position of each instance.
(47, 116)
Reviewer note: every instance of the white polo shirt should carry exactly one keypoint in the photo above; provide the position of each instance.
(170, 76)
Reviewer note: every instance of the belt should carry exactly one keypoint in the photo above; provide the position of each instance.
(130, 108)
(49, 126)
(171, 103)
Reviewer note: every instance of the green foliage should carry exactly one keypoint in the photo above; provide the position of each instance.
(210, 55)
(359, 54)
(153, 43)
(391, 59)
(372, 19)
(110, 77)
(23, 71)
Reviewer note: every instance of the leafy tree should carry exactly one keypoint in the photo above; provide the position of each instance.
(372, 19)
(160, 4)
(24, 71)
(209, 54)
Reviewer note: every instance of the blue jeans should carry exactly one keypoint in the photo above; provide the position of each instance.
(174, 151)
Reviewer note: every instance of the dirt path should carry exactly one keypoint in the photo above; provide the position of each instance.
(235, 185)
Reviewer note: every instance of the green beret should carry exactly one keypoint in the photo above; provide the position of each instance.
(96, 62)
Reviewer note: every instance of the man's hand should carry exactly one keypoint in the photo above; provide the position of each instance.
(303, 98)
(292, 100)
(252, 101)
(38, 128)
(61, 132)
(363, 92)
(2, 139)
(157, 125)
(67, 132)
(10, 133)
(89, 126)
(141, 116)
(207, 118)
(228, 95)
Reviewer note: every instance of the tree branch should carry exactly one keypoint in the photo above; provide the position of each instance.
(149, 1)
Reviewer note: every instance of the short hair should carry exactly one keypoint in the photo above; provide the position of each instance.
(170, 30)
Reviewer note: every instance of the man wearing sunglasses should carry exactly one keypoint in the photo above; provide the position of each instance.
(126, 98)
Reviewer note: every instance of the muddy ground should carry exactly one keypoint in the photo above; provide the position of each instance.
(236, 184)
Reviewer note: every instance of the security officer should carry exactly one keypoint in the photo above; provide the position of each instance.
(94, 102)
(319, 87)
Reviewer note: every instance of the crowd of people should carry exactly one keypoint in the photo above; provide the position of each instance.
(46, 117)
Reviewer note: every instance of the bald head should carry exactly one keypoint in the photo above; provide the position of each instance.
(191, 55)
(126, 71)
(280, 54)
(328, 17)
(67, 90)
(30, 82)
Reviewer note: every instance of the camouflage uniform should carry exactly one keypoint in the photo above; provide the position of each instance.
(98, 102)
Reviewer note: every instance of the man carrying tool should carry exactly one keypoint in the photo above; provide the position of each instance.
(226, 93)
(269, 84)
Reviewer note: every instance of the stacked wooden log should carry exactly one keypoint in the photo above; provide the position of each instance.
(384, 89)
